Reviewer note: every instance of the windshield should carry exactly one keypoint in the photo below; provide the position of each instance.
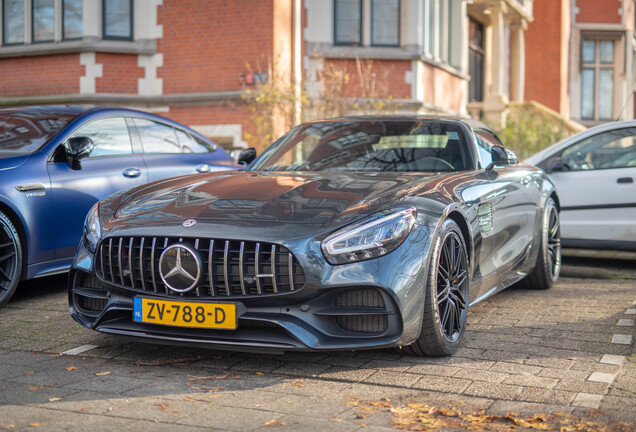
(25, 132)
(369, 145)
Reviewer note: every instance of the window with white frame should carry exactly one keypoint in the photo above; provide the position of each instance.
(598, 68)
(385, 22)
(118, 19)
(347, 22)
(441, 24)
(36, 21)
(367, 22)
(26, 22)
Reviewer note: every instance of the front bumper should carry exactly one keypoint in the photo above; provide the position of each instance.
(370, 304)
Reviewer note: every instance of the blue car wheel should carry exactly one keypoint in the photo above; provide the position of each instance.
(10, 259)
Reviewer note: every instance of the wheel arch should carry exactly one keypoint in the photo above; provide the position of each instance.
(463, 227)
(19, 227)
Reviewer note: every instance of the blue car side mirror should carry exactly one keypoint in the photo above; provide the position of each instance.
(77, 148)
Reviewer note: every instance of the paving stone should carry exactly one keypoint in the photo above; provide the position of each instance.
(602, 377)
(446, 385)
(393, 378)
(582, 386)
(513, 368)
(531, 380)
(347, 374)
(631, 311)
(480, 375)
(623, 322)
(612, 359)
(547, 396)
(493, 390)
(624, 339)
(431, 369)
(587, 400)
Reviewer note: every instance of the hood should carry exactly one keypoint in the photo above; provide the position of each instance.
(9, 160)
(307, 198)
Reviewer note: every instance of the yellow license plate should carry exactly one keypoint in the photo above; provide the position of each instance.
(185, 314)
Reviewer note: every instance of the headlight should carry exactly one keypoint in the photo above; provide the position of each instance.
(92, 229)
(370, 238)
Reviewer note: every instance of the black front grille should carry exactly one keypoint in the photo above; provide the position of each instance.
(361, 318)
(230, 268)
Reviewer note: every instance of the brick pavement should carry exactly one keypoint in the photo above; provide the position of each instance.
(569, 350)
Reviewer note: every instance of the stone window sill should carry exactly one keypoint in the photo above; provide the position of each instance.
(87, 44)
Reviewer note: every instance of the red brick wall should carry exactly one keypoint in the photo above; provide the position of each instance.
(42, 75)
(442, 88)
(389, 76)
(208, 44)
(119, 73)
(596, 11)
(209, 115)
(543, 54)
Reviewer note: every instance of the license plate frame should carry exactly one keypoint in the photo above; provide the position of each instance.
(173, 313)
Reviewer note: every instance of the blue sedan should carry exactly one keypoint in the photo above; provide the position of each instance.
(57, 161)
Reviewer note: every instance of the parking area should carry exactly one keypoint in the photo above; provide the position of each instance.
(530, 360)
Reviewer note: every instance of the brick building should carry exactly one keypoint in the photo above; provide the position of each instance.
(585, 69)
(193, 60)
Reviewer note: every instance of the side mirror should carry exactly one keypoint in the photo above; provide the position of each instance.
(77, 148)
(554, 164)
(500, 157)
(246, 156)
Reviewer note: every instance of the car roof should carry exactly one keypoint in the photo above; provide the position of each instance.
(470, 122)
(48, 110)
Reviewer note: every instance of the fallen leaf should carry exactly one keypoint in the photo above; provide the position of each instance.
(274, 422)
(70, 368)
(11, 426)
(36, 424)
(571, 358)
(361, 415)
(335, 419)
(101, 373)
(368, 409)
(54, 355)
(84, 409)
(298, 383)
(55, 399)
(290, 402)
(382, 404)
(163, 407)
(35, 388)
(447, 413)
(260, 373)
(29, 373)
(361, 424)
(191, 399)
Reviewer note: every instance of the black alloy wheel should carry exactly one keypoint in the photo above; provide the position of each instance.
(446, 296)
(554, 242)
(452, 287)
(548, 266)
(10, 259)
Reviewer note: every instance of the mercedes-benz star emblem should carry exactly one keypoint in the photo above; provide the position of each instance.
(189, 223)
(180, 267)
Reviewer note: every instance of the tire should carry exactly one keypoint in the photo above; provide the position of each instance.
(10, 259)
(445, 297)
(548, 266)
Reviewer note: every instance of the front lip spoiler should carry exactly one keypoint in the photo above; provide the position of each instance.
(252, 346)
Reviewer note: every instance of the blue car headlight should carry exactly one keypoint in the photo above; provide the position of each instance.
(92, 229)
(370, 238)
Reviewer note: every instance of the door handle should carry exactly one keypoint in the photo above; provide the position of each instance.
(131, 172)
(203, 168)
(625, 180)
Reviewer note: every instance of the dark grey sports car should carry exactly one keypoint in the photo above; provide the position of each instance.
(358, 232)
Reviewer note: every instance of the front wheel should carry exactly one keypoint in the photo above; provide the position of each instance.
(10, 259)
(548, 266)
(446, 296)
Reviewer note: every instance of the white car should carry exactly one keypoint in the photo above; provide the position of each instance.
(594, 172)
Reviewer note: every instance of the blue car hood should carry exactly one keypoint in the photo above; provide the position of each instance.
(9, 160)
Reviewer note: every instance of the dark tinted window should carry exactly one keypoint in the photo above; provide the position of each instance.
(26, 132)
(110, 136)
(402, 146)
(612, 149)
(157, 137)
